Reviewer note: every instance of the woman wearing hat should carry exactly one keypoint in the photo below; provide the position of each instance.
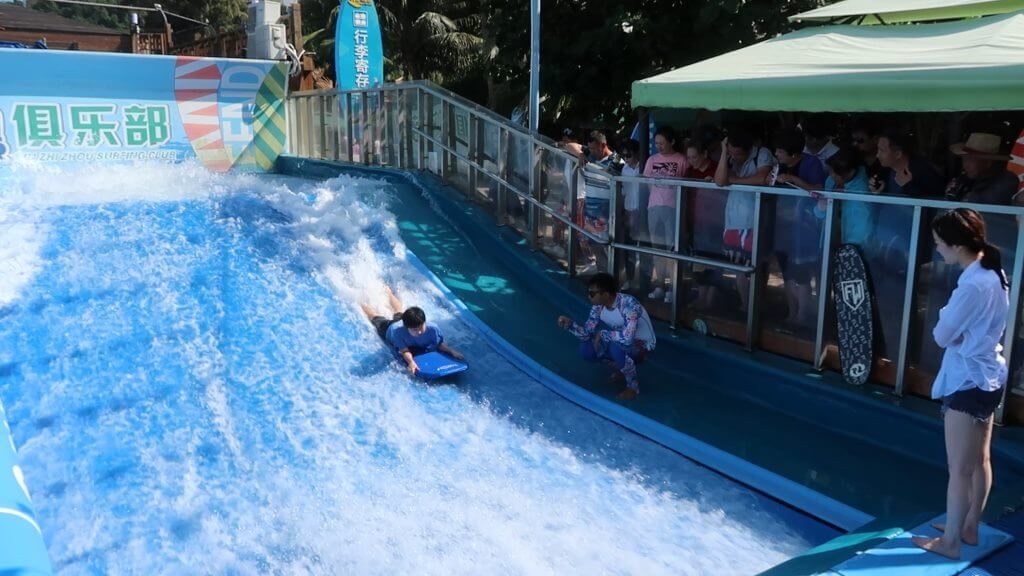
(985, 179)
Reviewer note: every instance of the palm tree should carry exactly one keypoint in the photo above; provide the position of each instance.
(423, 39)
(432, 39)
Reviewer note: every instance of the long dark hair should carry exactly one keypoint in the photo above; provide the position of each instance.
(965, 227)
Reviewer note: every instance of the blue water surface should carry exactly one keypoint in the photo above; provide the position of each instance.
(194, 389)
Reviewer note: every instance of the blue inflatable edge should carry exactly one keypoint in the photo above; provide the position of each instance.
(22, 548)
(798, 496)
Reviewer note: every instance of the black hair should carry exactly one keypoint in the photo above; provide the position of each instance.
(706, 135)
(697, 143)
(965, 227)
(668, 133)
(631, 146)
(792, 141)
(844, 160)
(814, 126)
(899, 140)
(414, 317)
(604, 282)
(741, 139)
(864, 124)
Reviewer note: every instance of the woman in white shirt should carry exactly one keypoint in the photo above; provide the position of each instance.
(972, 374)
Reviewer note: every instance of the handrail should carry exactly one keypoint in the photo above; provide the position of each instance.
(393, 126)
(801, 193)
(581, 230)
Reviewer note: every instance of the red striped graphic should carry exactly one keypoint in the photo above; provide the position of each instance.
(196, 82)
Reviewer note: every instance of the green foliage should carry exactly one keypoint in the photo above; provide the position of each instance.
(591, 50)
(113, 19)
(221, 14)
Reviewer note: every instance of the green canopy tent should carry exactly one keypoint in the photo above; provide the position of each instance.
(969, 65)
(866, 12)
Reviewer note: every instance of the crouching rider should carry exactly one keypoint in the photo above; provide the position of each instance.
(618, 332)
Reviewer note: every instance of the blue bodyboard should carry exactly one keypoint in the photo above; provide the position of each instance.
(434, 365)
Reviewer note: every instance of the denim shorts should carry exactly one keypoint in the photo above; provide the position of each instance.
(974, 402)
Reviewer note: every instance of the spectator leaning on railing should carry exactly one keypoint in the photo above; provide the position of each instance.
(799, 247)
(741, 163)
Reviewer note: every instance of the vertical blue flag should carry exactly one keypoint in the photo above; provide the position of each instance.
(651, 129)
(358, 51)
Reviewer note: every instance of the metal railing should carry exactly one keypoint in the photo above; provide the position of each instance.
(528, 182)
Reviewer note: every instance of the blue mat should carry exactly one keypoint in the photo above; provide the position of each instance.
(899, 557)
(434, 365)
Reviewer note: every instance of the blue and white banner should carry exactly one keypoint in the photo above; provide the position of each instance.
(358, 51)
(229, 114)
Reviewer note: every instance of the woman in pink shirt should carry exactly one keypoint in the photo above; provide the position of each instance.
(661, 207)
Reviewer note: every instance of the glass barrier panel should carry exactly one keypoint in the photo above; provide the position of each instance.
(309, 141)
(935, 282)
(344, 146)
(412, 101)
(790, 258)
(517, 213)
(359, 105)
(460, 118)
(554, 239)
(437, 118)
(331, 126)
(316, 123)
(657, 298)
(517, 173)
(459, 177)
(289, 106)
(371, 131)
(648, 216)
(882, 233)
(393, 114)
(713, 298)
(706, 222)
(486, 192)
(431, 154)
(491, 146)
(556, 193)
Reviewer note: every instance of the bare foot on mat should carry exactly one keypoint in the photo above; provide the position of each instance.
(969, 537)
(938, 546)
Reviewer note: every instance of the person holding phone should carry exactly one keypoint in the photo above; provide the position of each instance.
(909, 174)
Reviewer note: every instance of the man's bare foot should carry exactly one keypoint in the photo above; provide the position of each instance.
(627, 394)
(616, 378)
(967, 536)
(938, 546)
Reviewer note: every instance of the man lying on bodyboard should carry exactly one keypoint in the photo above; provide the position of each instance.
(420, 344)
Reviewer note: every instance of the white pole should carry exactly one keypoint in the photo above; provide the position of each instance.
(534, 65)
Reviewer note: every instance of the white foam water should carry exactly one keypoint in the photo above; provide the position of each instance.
(194, 390)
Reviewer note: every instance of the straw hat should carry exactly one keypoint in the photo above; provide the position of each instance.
(980, 145)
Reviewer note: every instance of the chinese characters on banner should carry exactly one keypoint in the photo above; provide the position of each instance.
(54, 125)
(226, 114)
(360, 21)
(359, 55)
